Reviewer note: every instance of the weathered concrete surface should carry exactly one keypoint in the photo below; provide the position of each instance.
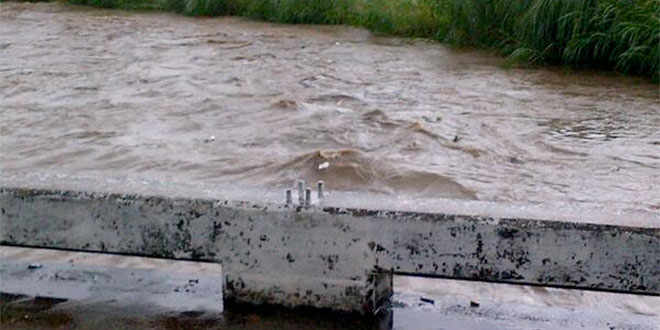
(262, 248)
(552, 253)
(113, 281)
(327, 256)
(506, 306)
(128, 292)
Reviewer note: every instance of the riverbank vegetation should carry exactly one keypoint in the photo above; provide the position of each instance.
(620, 35)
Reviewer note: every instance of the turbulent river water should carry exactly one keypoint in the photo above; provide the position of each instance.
(225, 100)
(97, 92)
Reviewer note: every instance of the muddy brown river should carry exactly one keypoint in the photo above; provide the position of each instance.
(226, 100)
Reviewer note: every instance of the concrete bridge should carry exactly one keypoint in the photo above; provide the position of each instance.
(339, 253)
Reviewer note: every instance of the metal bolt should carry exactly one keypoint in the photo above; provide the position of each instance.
(289, 198)
(319, 185)
(301, 187)
(308, 197)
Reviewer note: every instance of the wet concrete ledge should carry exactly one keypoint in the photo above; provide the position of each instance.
(332, 257)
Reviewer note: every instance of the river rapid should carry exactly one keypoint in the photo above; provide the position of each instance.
(227, 100)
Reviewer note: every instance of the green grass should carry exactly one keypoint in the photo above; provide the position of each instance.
(620, 35)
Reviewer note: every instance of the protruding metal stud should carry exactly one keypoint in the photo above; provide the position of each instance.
(319, 186)
(308, 197)
(289, 197)
(301, 191)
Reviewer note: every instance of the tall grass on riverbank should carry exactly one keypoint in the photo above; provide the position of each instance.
(417, 18)
(621, 35)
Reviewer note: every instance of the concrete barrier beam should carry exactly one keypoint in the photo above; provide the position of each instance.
(513, 250)
(336, 257)
(270, 254)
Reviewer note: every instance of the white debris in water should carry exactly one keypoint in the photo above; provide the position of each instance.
(323, 166)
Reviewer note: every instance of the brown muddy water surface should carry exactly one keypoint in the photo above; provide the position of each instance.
(226, 100)
(108, 93)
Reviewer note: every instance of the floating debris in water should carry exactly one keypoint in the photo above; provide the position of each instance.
(324, 166)
(427, 300)
(432, 119)
(209, 139)
(515, 160)
(34, 266)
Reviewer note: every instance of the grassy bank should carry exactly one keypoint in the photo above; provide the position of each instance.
(620, 35)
